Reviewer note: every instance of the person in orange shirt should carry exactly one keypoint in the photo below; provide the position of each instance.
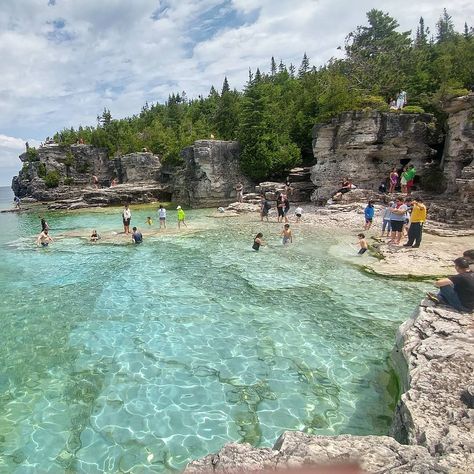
(417, 219)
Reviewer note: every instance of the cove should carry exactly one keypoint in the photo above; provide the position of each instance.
(141, 358)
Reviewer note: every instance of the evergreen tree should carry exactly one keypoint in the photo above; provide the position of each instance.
(444, 27)
(273, 67)
(225, 86)
(304, 68)
(292, 71)
(421, 33)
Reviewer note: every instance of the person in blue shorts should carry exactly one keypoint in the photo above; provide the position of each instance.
(137, 236)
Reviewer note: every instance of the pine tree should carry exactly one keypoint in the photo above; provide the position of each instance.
(281, 67)
(292, 71)
(304, 68)
(225, 86)
(273, 68)
(421, 33)
(444, 27)
(258, 75)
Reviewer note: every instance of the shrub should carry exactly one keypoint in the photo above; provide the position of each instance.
(32, 154)
(69, 161)
(68, 181)
(41, 170)
(372, 102)
(52, 179)
(413, 109)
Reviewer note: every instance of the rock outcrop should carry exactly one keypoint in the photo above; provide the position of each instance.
(365, 146)
(211, 172)
(434, 419)
(458, 151)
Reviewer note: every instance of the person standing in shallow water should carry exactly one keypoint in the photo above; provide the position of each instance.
(126, 218)
(162, 216)
(287, 235)
(181, 217)
(44, 239)
(258, 241)
(44, 224)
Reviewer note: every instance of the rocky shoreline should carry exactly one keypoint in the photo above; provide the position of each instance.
(432, 426)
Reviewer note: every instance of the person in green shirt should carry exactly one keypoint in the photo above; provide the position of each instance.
(410, 176)
(181, 217)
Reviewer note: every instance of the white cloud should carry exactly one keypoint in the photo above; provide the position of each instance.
(62, 63)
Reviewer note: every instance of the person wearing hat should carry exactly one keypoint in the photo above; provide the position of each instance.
(456, 291)
(181, 217)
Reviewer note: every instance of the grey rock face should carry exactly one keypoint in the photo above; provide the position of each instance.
(437, 347)
(77, 166)
(434, 355)
(459, 146)
(212, 169)
(365, 146)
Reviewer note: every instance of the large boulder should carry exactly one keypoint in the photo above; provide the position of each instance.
(211, 172)
(365, 146)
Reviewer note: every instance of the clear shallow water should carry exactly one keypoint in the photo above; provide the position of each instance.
(114, 353)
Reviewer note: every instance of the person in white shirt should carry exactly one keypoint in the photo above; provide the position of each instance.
(162, 216)
(126, 217)
(298, 213)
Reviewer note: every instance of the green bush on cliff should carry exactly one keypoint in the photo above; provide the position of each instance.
(52, 179)
(32, 154)
(413, 109)
(372, 102)
(68, 181)
(41, 170)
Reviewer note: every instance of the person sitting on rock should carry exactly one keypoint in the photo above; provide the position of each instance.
(346, 186)
(456, 291)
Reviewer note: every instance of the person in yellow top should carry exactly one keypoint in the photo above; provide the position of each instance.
(417, 219)
(181, 217)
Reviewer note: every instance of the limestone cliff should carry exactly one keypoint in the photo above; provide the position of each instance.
(211, 171)
(365, 146)
(434, 356)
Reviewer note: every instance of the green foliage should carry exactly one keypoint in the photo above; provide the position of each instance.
(372, 102)
(69, 161)
(275, 113)
(413, 109)
(68, 181)
(41, 170)
(52, 179)
(32, 154)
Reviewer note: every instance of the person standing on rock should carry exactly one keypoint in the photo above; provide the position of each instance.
(401, 99)
(126, 218)
(393, 180)
(397, 219)
(456, 291)
(240, 191)
(369, 212)
(411, 173)
(417, 219)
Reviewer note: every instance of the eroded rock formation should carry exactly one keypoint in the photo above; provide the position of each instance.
(365, 146)
(212, 169)
(434, 355)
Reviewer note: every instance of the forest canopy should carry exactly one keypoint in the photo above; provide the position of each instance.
(272, 117)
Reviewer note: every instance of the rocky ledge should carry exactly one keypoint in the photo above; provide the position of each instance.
(432, 427)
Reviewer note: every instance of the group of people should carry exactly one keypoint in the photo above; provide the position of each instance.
(282, 205)
(402, 217)
(406, 179)
(286, 234)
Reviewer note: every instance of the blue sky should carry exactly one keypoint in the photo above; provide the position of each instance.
(63, 61)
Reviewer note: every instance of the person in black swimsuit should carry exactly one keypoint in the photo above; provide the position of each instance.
(257, 242)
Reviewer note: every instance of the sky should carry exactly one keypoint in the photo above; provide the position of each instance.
(63, 61)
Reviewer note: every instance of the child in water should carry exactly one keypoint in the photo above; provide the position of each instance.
(298, 213)
(362, 244)
(257, 242)
(181, 217)
(94, 236)
(149, 221)
(287, 235)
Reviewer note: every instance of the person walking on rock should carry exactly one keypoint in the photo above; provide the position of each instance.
(369, 212)
(126, 218)
(417, 219)
(397, 219)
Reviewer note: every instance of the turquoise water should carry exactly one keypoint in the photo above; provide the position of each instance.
(122, 358)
